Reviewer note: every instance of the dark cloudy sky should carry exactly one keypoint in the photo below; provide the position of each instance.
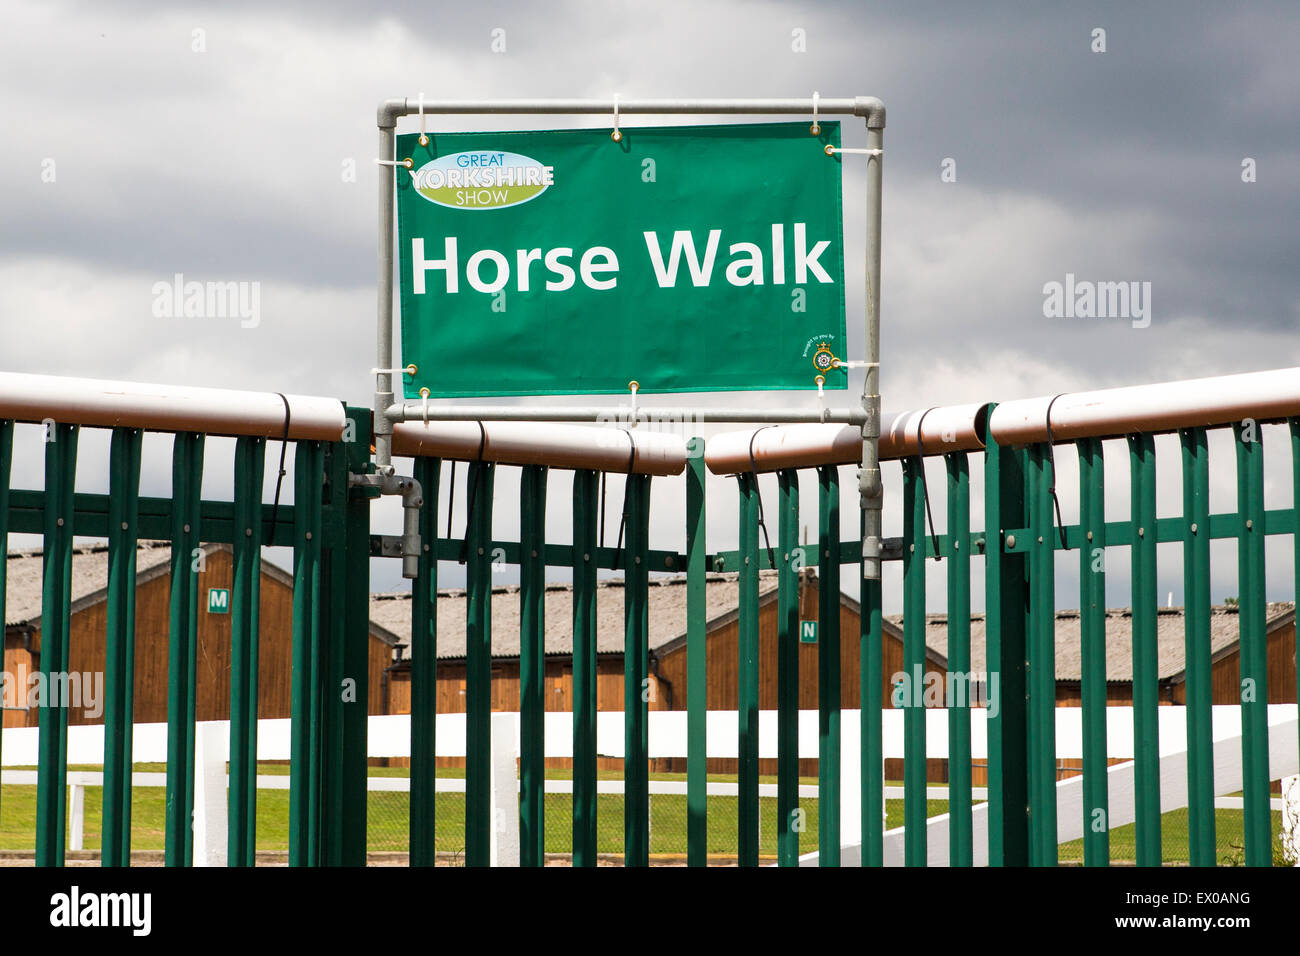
(226, 164)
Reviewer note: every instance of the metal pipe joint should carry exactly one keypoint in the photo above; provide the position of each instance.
(412, 501)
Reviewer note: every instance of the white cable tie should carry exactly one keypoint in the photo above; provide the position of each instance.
(424, 139)
(424, 399)
(617, 135)
(408, 370)
(816, 126)
(404, 163)
(633, 386)
(840, 363)
(832, 150)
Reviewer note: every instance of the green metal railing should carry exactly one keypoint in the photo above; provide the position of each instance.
(328, 528)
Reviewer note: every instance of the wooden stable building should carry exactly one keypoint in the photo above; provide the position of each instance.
(391, 613)
(86, 655)
(667, 645)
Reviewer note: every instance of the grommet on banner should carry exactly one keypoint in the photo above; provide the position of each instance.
(633, 386)
(424, 401)
(424, 139)
(816, 127)
(617, 135)
(404, 163)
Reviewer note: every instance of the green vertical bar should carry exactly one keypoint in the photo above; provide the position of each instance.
(343, 648)
(305, 741)
(187, 475)
(584, 667)
(532, 666)
(1146, 765)
(6, 464)
(787, 670)
(52, 767)
(478, 668)
(873, 750)
(353, 844)
(1042, 661)
(697, 700)
(1196, 635)
(424, 672)
(636, 669)
(747, 676)
(1092, 625)
(119, 656)
(250, 460)
(1006, 618)
(960, 817)
(914, 767)
(828, 668)
(1295, 507)
(1254, 644)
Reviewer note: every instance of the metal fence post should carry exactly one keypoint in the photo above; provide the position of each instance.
(305, 742)
(1006, 618)
(915, 542)
(747, 676)
(636, 666)
(344, 664)
(245, 615)
(1252, 609)
(1146, 763)
(1196, 624)
(828, 668)
(51, 773)
(186, 562)
(424, 673)
(532, 667)
(960, 816)
(478, 668)
(584, 667)
(119, 656)
(1092, 625)
(696, 660)
(788, 599)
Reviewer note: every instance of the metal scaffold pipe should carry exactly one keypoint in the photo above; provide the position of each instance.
(555, 446)
(1166, 407)
(941, 430)
(168, 408)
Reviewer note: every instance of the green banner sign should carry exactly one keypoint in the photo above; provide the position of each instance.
(686, 259)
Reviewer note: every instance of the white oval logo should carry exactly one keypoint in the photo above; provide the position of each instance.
(482, 179)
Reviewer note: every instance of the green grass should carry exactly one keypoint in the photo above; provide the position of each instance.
(388, 820)
(1228, 834)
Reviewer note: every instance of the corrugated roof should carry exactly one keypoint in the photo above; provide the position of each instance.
(666, 613)
(1170, 638)
(25, 572)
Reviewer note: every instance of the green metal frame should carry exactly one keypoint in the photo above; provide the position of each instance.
(328, 527)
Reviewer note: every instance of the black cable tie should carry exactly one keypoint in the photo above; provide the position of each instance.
(925, 485)
(451, 497)
(753, 470)
(631, 461)
(1051, 457)
(279, 478)
(473, 490)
